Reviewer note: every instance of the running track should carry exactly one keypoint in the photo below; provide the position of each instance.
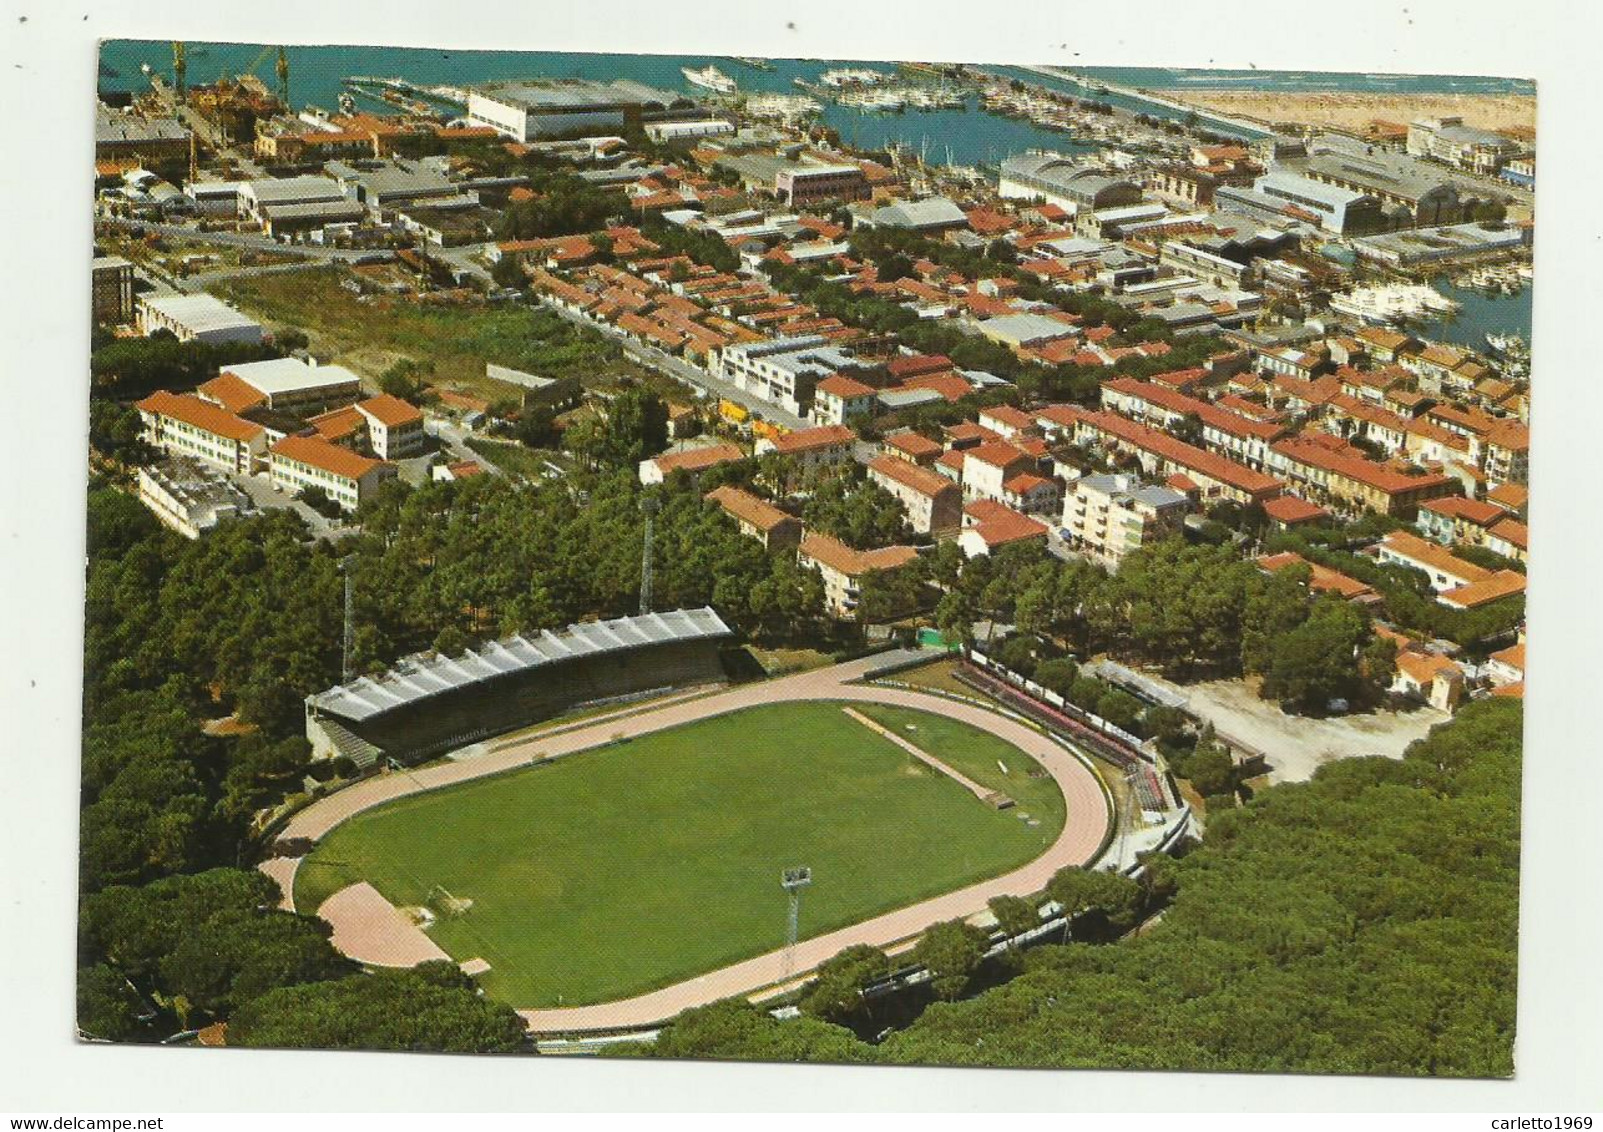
(1083, 833)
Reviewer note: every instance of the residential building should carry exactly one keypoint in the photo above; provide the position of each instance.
(1453, 519)
(827, 446)
(1457, 583)
(1431, 677)
(839, 400)
(691, 460)
(932, 503)
(1162, 455)
(914, 447)
(1033, 494)
(183, 424)
(298, 463)
(1507, 666)
(1287, 512)
(758, 518)
(844, 569)
(988, 526)
(987, 467)
(1337, 472)
(1322, 579)
(196, 318)
(1108, 516)
(807, 183)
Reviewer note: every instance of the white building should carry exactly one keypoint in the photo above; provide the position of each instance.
(182, 424)
(196, 318)
(524, 110)
(282, 384)
(1108, 516)
(190, 498)
(297, 463)
(782, 371)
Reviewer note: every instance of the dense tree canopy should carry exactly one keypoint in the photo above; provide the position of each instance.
(432, 1007)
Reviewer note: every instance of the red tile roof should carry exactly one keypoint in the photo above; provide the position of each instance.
(232, 392)
(853, 563)
(1321, 579)
(1194, 460)
(696, 459)
(1358, 468)
(913, 476)
(749, 508)
(839, 385)
(320, 453)
(191, 410)
(1290, 510)
(810, 439)
(390, 411)
(915, 444)
(997, 524)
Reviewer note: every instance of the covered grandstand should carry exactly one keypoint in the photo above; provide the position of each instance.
(428, 704)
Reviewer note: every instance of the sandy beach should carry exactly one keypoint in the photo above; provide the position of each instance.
(1514, 114)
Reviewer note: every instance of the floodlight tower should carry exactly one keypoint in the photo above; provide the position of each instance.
(348, 638)
(283, 77)
(648, 508)
(793, 881)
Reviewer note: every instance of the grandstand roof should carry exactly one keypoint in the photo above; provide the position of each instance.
(429, 674)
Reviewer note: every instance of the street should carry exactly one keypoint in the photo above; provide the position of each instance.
(685, 373)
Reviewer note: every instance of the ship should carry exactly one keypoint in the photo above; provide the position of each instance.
(1393, 303)
(754, 64)
(709, 78)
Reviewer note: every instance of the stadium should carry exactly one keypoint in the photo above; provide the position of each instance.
(605, 871)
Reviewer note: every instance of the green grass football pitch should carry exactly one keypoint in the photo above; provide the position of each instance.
(629, 867)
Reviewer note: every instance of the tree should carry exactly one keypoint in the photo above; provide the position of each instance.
(836, 992)
(1317, 661)
(951, 951)
(1211, 769)
(508, 272)
(117, 433)
(736, 1029)
(1057, 675)
(1121, 709)
(406, 379)
(537, 428)
(863, 515)
(431, 1007)
(1097, 905)
(1014, 914)
(108, 1007)
(636, 428)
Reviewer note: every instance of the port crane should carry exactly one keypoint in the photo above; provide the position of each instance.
(280, 68)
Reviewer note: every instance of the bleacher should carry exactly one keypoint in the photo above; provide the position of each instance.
(1127, 760)
(430, 704)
